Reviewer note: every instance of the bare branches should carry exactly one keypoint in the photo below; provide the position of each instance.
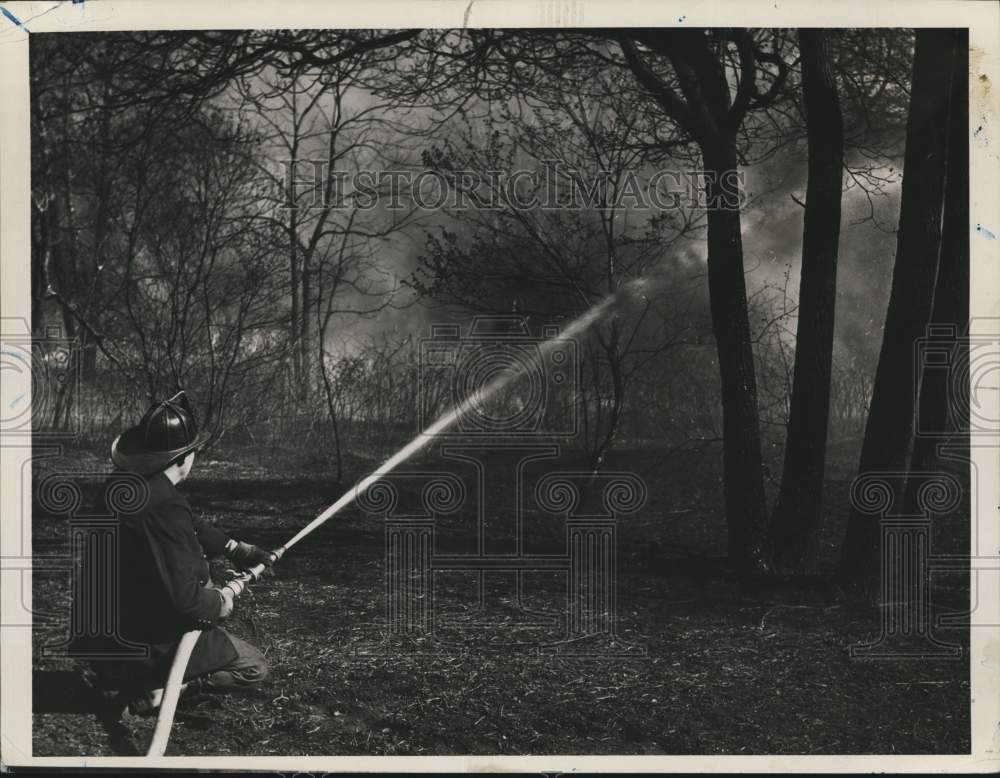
(663, 94)
(170, 148)
(746, 89)
(762, 100)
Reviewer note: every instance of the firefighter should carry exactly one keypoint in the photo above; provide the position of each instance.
(164, 583)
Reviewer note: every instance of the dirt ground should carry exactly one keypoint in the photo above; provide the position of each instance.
(699, 663)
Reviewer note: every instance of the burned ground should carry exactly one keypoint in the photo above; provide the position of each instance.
(702, 663)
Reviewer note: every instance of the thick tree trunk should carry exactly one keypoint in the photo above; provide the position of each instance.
(710, 115)
(889, 429)
(797, 513)
(941, 410)
(746, 512)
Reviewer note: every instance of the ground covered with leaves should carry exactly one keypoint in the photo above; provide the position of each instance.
(699, 662)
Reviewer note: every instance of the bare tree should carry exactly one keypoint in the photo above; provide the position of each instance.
(797, 512)
(939, 408)
(888, 433)
(707, 109)
(590, 239)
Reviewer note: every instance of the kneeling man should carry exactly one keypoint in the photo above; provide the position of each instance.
(165, 587)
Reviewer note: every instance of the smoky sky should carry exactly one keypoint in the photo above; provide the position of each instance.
(772, 224)
(772, 237)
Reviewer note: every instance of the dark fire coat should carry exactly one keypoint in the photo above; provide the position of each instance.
(163, 577)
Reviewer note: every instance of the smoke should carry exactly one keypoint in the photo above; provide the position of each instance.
(772, 241)
(450, 418)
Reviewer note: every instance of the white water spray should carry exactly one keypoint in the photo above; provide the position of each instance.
(423, 439)
(185, 647)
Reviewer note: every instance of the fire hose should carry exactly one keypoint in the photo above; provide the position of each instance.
(172, 688)
(175, 678)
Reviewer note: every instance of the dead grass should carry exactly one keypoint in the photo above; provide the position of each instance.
(705, 664)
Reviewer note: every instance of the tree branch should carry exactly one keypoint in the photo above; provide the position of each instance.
(671, 103)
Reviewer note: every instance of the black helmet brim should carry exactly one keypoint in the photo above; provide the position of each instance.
(128, 455)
